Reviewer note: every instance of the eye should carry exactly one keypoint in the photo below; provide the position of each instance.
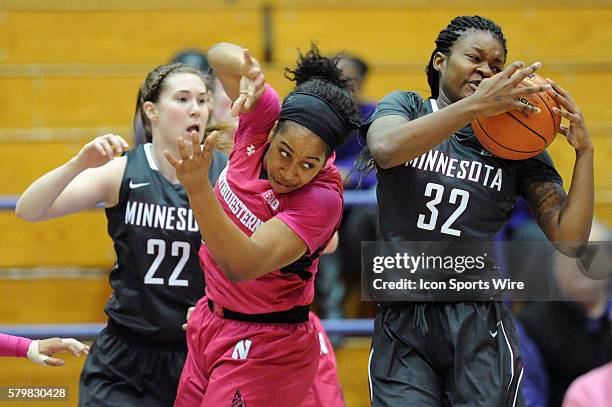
(202, 101)
(284, 154)
(474, 58)
(307, 165)
(182, 99)
(496, 69)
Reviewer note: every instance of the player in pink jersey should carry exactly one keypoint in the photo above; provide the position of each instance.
(40, 351)
(273, 211)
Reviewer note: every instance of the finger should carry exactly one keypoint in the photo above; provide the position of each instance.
(563, 130)
(74, 344)
(564, 113)
(521, 74)
(183, 152)
(259, 82)
(247, 57)
(195, 143)
(530, 90)
(54, 362)
(250, 99)
(562, 96)
(209, 143)
(173, 161)
(184, 326)
(122, 141)
(115, 143)
(525, 108)
(72, 349)
(107, 148)
(99, 148)
(238, 105)
(512, 68)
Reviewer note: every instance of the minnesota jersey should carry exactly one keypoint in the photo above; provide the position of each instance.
(455, 191)
(156, 239)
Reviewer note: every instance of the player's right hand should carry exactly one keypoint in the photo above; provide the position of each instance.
(189, 312)
(500, 93)
(101, 150)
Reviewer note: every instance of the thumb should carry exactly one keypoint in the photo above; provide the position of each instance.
(54, 362)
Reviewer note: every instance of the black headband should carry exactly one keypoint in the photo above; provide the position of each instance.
(317, 115)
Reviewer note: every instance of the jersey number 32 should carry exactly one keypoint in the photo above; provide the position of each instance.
(437, 191)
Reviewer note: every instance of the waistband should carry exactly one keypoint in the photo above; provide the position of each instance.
(294, 315)
(135, 338)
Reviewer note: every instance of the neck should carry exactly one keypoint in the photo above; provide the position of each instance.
(164, 167)
(443, 100)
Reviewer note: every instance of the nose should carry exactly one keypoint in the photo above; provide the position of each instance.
(290, 173)
(195, 109)
(485, 70)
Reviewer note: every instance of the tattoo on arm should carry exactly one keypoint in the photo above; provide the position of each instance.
(546, 200)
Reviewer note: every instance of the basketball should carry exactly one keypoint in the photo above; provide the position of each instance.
(516, 135)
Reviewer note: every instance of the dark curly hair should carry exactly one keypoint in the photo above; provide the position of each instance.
(320, 76)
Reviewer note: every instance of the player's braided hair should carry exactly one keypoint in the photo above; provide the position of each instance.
(448, 36)
(321, 76)
(152, 87)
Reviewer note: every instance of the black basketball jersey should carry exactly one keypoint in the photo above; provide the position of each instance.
(455, 191)
(157, 275)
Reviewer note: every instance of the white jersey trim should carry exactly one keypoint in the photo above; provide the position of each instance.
(434, 105)
(149, 155)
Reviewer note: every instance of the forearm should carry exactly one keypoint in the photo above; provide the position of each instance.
(35, 202)
(14, 346)
(226, 59)
(234, 251)
(395, 145)
(576, 215)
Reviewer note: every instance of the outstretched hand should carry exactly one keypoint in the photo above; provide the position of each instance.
(194, 163)
(252, 82)
(41, 351)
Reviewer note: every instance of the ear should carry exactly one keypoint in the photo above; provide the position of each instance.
(272, 131)
(439, 60)
(150, 110)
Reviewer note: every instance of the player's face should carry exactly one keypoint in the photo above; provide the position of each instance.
(475, 56)
(295, 157)
(182, 107)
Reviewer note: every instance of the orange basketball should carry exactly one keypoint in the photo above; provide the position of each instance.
(515, 135)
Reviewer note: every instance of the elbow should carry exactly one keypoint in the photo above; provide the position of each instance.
(237, 274)
(572, 249)
(24, 214)
(382, 155)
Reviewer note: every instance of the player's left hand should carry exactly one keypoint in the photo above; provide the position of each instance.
(576, 133)
(194, 163)
(252, 81)
(41, 350)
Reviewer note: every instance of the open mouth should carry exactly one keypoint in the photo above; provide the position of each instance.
(193, 128)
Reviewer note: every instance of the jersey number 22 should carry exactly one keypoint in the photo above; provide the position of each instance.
(158, 246)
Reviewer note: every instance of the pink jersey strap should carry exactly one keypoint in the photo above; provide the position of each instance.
(14, 345)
